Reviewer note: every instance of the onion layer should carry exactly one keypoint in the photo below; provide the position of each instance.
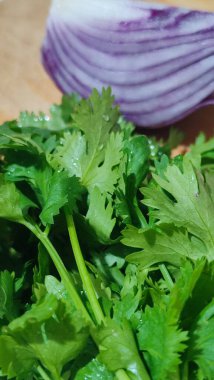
(158, 60)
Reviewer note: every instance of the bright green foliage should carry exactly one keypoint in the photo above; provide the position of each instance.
(165, 244)
(191, 207)
(202, 352)
(201, 150)
(105, 176)
(133, 169)
(13, 204)
(94, 371)
(99, 215)
(183, 289)
(161, 341)
(118, 348)
(50, 332)
(70, 154)
(52, 189)
(8, 303)
(16, 360)
(137, 151)
(17, 139)
(87, 151)
(60, 115)
(110, 273)
(96, 117)
(37, 176)
(62, 190)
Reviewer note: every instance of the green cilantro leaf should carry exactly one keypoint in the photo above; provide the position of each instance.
(202, 343)
(96, 116)
(69, 154)
(52, 189)
(94, 370)
(16, 360)
(72, 155)
(138, 152)
(8, 303)
(37, 176)
(14, 139)
(183, 288)
(165, 244)
(99, 215)
(133, 169)
(118, 348)
(105, 176)
(201, 295)
(61, 190)
(201, 150)
(52, 331)
(161, 342)
(60, 115)
(13, 204)
(190, 204)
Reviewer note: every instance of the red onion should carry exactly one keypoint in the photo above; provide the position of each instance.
(158, 60)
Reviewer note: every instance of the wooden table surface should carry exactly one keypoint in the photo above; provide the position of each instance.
(24, 84)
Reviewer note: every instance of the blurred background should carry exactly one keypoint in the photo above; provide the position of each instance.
(24, 85)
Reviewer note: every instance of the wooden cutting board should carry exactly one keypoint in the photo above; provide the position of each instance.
(23, 83)
(204, 5)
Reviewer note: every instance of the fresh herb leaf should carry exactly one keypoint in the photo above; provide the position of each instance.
(190, 204)
(100, 216)
(50, 332)
(165, 244)
(202, 343)
(13, 204)
(118, 349)
(94, 370)
(161, 341)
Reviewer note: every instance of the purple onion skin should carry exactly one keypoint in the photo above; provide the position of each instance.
(159, 64)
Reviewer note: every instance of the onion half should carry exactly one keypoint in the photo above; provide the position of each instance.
(158, 60)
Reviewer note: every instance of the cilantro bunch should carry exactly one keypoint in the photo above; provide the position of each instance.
(107, 249)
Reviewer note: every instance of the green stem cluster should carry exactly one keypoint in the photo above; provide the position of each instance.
(42, 373)
(66, 279)
(85, 277)
(166, 276)
(69, 285)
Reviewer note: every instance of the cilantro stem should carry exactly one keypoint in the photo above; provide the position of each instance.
(139, 214)
(121, 375)
(42, 373)
(86, 280)
(166, 276)
(185, 374)
(66, 279)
